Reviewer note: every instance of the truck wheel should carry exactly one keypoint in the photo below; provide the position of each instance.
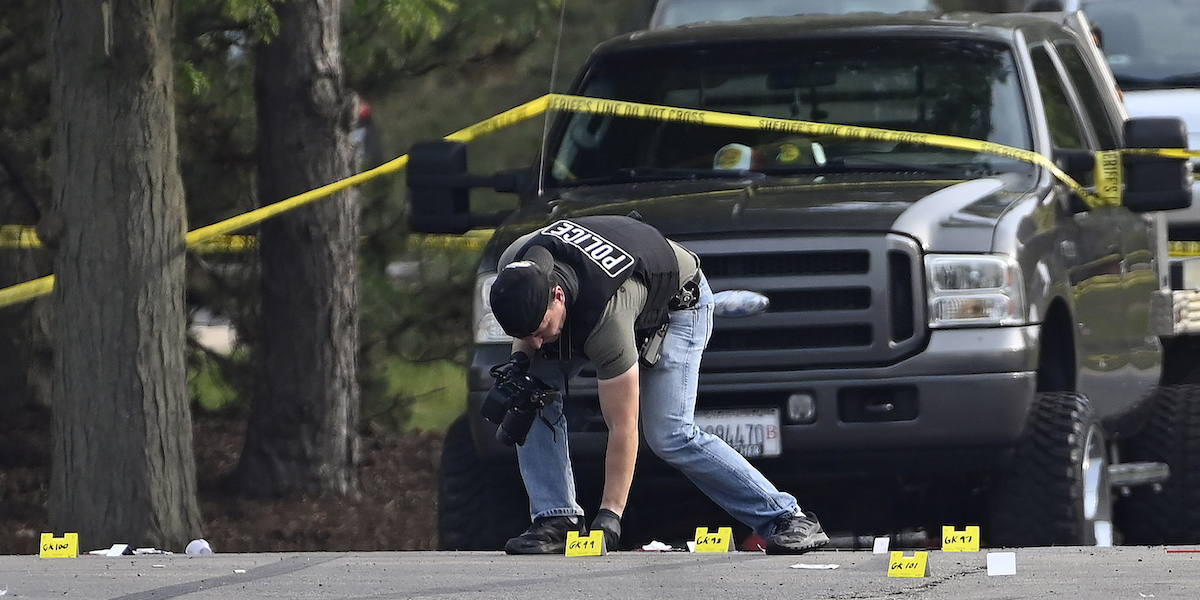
(1056, 492)
(480, 505)
(1171, 434)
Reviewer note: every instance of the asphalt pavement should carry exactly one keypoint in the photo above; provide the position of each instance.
(1060, 573)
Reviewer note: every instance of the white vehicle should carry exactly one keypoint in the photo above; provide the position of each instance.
(673, 13)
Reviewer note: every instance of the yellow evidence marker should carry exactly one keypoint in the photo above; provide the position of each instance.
(590, 545)
(916, 565)
(66, 546)
(720, 541)
(966, 540)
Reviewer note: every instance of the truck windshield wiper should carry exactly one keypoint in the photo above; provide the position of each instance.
(840, 166)
(640, 174)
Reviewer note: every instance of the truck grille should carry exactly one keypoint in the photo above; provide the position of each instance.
(835, 301)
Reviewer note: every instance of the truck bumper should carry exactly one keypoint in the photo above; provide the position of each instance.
(968, 388)
(967, 393)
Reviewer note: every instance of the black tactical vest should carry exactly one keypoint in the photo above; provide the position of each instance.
(605, 251)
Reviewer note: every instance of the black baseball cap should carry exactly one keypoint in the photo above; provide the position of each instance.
(521, 293)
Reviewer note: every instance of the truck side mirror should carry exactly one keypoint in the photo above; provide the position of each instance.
(1079, 164)
(438, 190)
(1155, 182)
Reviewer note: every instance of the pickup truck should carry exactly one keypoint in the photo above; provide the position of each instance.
(907, 335)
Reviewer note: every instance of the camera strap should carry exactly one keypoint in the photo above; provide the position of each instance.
(549, 425)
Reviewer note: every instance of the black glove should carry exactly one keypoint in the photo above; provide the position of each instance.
(516, 367)
(608, 521)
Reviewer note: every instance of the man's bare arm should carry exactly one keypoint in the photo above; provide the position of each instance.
(619, 402)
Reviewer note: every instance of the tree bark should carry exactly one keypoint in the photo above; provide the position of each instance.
(123, 467)
(302, 435)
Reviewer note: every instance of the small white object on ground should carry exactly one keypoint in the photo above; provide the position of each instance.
(881, 545)
(1002, 563)
(199, 546)
(825, 567)
(656, 546)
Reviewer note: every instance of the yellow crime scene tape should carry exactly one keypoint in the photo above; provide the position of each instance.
(19, 237)
(1108, 171)
(1180, 249)
(24, 237)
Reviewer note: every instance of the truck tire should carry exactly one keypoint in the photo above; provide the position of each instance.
(480, 505)
(1056, 492)
(1171, 434)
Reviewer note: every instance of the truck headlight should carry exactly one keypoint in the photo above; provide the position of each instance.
(487, 330)
(974, 290)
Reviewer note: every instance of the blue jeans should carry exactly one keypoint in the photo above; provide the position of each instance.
(668, 402)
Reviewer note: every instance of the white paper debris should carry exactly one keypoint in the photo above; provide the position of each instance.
(881, 545)
(826, 567)
(656, 546)
(239, 570)
(691, 545)
(118, 550)
(1002, 563)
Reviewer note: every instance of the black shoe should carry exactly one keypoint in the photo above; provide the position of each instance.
(796, 534)
(547, 535)
(608, 521)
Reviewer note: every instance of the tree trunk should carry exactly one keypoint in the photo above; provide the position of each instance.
(302, 433)
(123, 467)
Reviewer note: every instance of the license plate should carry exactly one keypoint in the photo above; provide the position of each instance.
(753, 432)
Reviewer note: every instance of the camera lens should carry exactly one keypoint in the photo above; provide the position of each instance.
(496, 404)
(516, 426)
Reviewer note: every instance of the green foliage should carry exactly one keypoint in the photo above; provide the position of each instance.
(388, 42)
(414, 330)
(422, 313)
(215, 104)
(258, 15)
(412, 19)
(416, 396)
(214, 381)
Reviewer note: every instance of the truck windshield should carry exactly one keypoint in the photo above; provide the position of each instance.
(953, 87)
(672, 13)
(1150, 43)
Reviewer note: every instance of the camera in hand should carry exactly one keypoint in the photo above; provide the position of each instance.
(515, 400)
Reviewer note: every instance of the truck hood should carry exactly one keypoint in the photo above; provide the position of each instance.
(1183, 103)
(945, 214)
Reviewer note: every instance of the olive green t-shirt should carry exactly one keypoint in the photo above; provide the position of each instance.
(611, 346)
